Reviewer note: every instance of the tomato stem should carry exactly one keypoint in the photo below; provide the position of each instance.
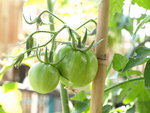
(91, 20)
(64, 99)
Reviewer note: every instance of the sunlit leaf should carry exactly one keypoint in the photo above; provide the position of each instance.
(116, 6)
(10, 86)
(135, 90)
(143, 3)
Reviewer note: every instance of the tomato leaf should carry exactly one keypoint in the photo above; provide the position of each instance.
(130, 92)
(147, 74)
(131, 110)
(106, 108)
(10, 86)
(140, 58)
(142, 52)
(119, 62)
(143, 3)
(81, 96)
(143, 106)
(133, 62)
(130, 72)
(116, 6)
(81, 106)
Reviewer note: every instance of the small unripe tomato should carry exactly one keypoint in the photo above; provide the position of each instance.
(43, 78)
(77, 68)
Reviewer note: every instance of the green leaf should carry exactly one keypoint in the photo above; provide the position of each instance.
(143, 106)
(143, 3)
(106, 108)
(142, 52)
(10, 86)
(82, 95)
(81, 106)
(130, 72)
(147, 74)
(134, 62)
(135, 90)
(119, 62)
(1, 109)
(140, 58)
(116, 6)
(131, 110)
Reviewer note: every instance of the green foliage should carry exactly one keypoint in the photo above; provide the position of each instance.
(143, 3)
(143, 106)
(119, 62)
(140, 57)
(106, 108)
(130, 72)
(81, 96)
(10, 98)
(147, 74)
(10, 86)
(116, 6)
(130, 92)
(1, 109)
(81, 106)
(131, 110)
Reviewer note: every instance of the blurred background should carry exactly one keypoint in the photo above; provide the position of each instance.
(125, 15)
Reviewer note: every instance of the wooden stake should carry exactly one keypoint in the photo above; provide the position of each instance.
(101, 53)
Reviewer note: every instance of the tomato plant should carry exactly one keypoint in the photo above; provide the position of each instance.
(74, 64)
(43, 77)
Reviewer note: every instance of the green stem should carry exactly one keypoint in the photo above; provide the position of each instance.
(122, 83)
(64, 99)
(63, 92)
(91, 20)
(50, 8)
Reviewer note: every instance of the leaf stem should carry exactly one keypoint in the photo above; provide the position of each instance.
(122, 83)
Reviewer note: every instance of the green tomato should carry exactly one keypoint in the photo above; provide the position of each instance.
(43, 78)
(76, 67)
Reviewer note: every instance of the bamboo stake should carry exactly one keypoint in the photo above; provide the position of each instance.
(101, 53)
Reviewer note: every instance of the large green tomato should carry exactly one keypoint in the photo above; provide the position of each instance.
(76, 67)
(43, 78)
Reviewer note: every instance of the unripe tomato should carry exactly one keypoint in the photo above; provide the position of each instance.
(43, 78)
(76, 67)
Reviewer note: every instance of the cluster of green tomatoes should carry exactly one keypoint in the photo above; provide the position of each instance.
(72, 63)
